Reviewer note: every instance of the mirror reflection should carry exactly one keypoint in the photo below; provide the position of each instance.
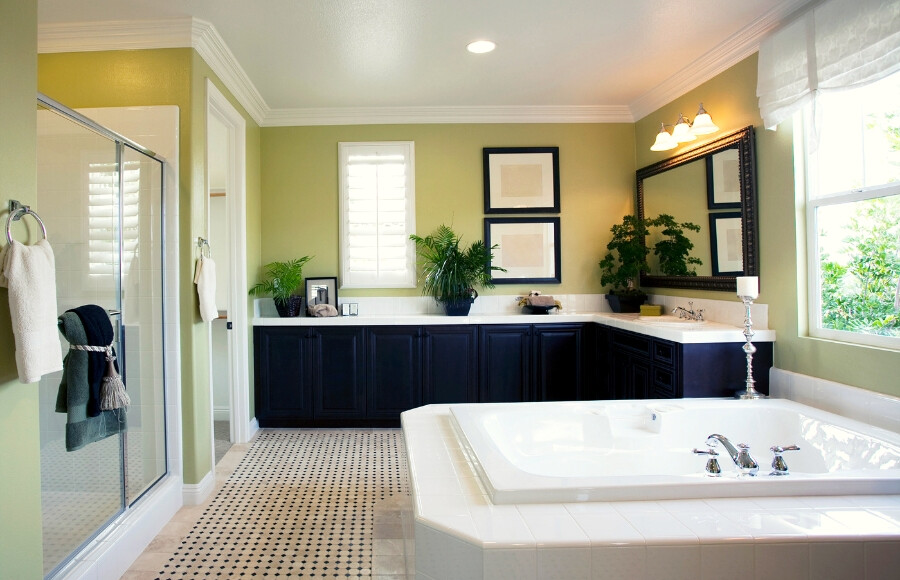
(713, 187)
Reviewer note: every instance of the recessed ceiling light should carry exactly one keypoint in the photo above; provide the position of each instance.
(481, 46)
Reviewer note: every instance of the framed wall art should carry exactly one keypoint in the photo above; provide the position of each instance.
(723, 180)
(521, 180)
(321, 291)
(726, 243)
(529, 249)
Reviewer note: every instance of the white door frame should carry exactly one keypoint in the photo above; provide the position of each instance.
(236, 200)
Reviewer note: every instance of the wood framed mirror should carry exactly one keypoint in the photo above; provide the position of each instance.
(706, 186)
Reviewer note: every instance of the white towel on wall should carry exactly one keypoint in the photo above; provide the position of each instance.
(30, 274)
(206, 289)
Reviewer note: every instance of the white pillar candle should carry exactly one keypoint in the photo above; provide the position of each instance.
(748, 286)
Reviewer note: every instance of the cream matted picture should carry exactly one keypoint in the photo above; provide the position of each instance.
(521, 179)
(528, 248)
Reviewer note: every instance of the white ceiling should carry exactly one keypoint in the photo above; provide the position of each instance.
(625, 57)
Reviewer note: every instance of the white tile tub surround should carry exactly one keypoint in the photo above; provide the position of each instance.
(866, 406)
(460, 535)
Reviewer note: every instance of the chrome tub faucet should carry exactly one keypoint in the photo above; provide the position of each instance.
(740, 454)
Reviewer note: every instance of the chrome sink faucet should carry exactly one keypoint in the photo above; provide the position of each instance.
(688, 312)
(740, 454)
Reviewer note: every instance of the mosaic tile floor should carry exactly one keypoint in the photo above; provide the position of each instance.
(293, 504)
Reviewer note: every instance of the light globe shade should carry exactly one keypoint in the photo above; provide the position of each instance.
(664, 141)
(682, 131)
(480, 46)
(703, 123)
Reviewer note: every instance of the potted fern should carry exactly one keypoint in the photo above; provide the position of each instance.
(623, 270)
(451, 273)
(674, 249)
(284, 279)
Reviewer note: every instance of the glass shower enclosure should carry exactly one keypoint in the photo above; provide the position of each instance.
(101, 198)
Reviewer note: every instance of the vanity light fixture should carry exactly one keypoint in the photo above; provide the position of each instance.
(480, 46)
(683, 131)
(664, 141)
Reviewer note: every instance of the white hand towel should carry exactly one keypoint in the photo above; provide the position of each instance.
(30, 274)
(206, 289)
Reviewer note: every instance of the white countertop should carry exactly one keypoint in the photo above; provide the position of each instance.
(689, 333)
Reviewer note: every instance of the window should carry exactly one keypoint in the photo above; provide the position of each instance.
(853, 214)
(103, 225)
(377, 214)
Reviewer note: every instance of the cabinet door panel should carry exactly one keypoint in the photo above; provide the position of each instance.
(450, 365)
(505, 364)
(339, 372)
(557, 362)
(394, 377)
(282, 375)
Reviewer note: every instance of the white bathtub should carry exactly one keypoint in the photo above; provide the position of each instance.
(642, 450)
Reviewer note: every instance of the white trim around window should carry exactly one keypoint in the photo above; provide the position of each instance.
(377, 213)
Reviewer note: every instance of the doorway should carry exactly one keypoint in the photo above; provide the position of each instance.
(226, 231)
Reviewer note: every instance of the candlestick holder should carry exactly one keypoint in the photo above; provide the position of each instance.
(749, 391)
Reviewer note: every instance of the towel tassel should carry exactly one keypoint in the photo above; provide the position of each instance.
(112, 390)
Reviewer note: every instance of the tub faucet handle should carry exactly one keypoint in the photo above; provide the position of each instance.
(779, 467)
(745, 462)
(712, 464)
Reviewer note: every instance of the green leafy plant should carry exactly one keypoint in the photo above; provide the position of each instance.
(622, 271)
(674, 249)
(284, 279)
(860, 289)
(452, 273)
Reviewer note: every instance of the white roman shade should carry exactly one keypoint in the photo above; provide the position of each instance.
(835, 45)
(377, 214)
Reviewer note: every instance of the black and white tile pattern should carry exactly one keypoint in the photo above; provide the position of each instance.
(300, 504)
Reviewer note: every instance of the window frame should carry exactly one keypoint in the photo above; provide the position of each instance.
(813, 255)
(408, 150)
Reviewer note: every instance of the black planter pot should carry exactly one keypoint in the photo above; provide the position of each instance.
(291, 308)
(626, 302)
(458, 307)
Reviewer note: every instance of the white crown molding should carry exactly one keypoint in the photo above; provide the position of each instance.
(212, 49)
(114, 35)
(425, 115)
(727, 54)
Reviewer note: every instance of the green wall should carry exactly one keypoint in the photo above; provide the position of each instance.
(168, 77)
(300, 190)
(20, 482)
(730, 98)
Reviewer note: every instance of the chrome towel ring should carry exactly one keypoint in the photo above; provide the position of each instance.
(16, 211)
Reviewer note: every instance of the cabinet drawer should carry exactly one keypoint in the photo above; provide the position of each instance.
(664, 352)
(665, 384)
(635, 343)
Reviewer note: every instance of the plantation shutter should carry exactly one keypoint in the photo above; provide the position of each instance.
(377, 215)
(103, 183)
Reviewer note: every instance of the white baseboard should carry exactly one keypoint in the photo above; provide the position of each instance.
(221, 414)
(196, 493)
(254, 429)
(114, 551)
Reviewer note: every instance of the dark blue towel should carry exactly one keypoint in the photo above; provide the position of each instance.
(99, 332)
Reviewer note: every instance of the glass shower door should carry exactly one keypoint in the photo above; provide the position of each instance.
(102, 202)
(81, 471)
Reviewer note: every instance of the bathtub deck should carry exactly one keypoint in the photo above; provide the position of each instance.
(461, 535)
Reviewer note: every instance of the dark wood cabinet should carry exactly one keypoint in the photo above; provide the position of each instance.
(394, 374)
(642, 366)
(352, 376)
(450, 364)
(282, 363)
(339, 372)
(505, 363)
(557, 354)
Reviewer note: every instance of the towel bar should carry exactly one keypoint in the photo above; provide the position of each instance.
(16, 211)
